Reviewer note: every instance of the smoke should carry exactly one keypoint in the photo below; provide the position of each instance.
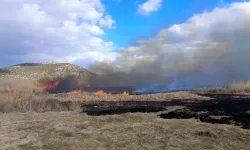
(61, 84)
(208, 50)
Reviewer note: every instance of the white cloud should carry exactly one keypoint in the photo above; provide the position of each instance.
(208, 49)
(107, 21)
(53, 30)
(149, 6)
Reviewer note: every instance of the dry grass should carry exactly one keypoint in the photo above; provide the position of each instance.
(11, 84)
(232, 88)
(73, 131)
(240, 86)
(20, 101)
(19, 95)
(39, 101)
(54, 121)
(218, 90)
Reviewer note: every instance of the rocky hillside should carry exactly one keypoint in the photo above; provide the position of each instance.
(35, 71)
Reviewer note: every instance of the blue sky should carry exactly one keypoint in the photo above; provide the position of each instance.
(131, 26)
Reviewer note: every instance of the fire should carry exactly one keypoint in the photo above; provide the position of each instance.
(75, 92)
(51, 85)
(125, 93)
(100, 92)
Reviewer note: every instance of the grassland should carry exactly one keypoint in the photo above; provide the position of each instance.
(206, 119)
(71, 130)
(37, 71)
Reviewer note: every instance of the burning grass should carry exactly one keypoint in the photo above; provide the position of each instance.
(40, 101)
(23, 95)
(54, 121)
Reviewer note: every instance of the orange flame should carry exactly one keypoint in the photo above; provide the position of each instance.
(125, 93)
(75, 92)
(52, 85)
(100, 92)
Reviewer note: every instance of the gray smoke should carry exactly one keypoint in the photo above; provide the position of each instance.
(208, 50)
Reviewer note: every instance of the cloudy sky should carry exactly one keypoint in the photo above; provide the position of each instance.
(85, 31)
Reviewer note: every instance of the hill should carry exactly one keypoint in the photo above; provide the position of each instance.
(70, 76)
(36, 71)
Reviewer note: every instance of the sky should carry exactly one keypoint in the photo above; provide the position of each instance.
(87, 31)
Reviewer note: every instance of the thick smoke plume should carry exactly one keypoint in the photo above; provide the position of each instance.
(62, 83)
(208, 50)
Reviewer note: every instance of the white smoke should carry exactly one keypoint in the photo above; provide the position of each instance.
(209, 49)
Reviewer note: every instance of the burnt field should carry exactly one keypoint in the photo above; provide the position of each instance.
(159, 121)
(220, 109)
(34, 118)
(215, 106)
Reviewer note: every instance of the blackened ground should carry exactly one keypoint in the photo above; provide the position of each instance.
(222, 109)
(96, 111)
(116, 107)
